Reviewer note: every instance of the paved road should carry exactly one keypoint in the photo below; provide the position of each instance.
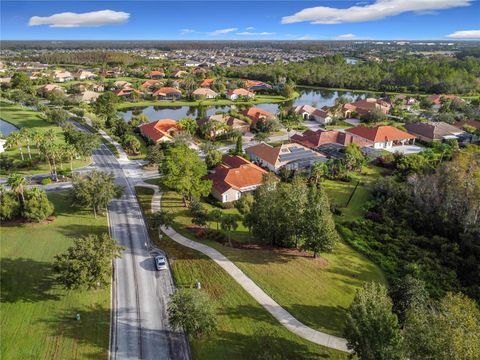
(278, 312)
(139, 294)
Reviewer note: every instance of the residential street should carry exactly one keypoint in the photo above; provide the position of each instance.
(140, 293)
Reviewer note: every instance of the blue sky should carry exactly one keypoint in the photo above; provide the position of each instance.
(247, 20)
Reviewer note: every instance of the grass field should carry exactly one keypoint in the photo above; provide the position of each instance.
(317, 292)
(37, 316)
(259, 99)
(245, 329)
(25, 118)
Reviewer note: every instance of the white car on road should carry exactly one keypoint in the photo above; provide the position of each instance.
(160, 262)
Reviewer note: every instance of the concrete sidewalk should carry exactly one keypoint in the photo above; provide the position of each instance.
(279, 313)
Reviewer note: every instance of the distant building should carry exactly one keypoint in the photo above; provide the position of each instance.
(62, 76)
(204, 93)
(362, 107)
(155, 74)
(311, 113)
(234, 177)
(84, 75)
(48, 88)
(167, 93)
(235, 94)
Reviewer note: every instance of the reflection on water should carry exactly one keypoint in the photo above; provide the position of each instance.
(315, 97)
(6, 128)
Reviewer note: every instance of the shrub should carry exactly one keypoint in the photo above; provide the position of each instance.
(37, 207)
(9, 206)
(46, 181)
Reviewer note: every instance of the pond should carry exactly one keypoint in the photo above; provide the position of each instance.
(308, 96)
(6, 128)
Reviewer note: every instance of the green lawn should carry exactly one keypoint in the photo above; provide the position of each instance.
(317, 292)
(244, 327)
(37, 316)
(339, 192)
(259, 99)
(22, 117)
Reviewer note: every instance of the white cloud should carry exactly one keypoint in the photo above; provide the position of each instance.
(222, 31)
(346, 37)
(73, 20)
(465, 34)
(250, 28)
(250, 33)
(187, 31)
(378, 10)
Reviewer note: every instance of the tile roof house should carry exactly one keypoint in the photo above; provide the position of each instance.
(381, 137)
(207, 83)
(86, 96)
(161, 130)
(232, 123)
(204, 93)
(437, 100)
(256, 114)
(235, 94)
(254, 85)
(120, 84)
(314, 139)
(84, 75)
(292, 156)
(233, 177)
(62, 76)
(155, 74)
(180, 73)
(150, 85)
(472, 123)
(434, 131)
(48, 88)
(167, 93)
(311, 113)
(365, 106)
(127, 92)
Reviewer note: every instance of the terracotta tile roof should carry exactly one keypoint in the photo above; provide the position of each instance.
(149, 83)
(160, 129)
(256, 114)
(367, 105)
(474, 123)
(207, 82)
(240, 92)
(166, 91)
(437, 99)
(235, 172)
(156, 73)
(127, 91)
(380, 133)
(313, 139)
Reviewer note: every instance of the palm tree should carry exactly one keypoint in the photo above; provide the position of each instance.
(17, 183)
(70, 154)
(27, 135)
(51, 135)
(15, 139)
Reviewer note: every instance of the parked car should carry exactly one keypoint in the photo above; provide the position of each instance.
(160, 263)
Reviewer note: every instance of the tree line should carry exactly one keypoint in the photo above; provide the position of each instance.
(408, 74)
(426, 220)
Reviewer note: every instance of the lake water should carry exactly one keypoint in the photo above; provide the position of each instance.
(315, 97)
(6, 128)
